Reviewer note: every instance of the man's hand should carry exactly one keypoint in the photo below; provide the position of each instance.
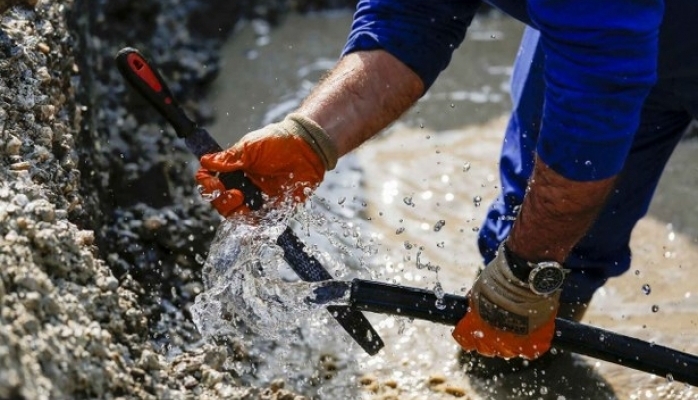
(506, 318)
(285, 161)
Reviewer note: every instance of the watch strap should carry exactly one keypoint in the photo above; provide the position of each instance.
(519, 267)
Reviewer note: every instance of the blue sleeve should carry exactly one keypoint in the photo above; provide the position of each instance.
(422, 34)
(600, 64)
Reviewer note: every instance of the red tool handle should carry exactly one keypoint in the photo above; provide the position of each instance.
(149, 84)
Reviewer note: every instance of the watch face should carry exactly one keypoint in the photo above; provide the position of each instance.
(546, 278)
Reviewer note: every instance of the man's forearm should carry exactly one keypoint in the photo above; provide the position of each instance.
(363, 94)
(555, 214)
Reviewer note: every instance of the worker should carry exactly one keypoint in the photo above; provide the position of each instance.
(602, 93)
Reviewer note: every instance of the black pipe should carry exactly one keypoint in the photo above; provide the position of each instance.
(384, 298)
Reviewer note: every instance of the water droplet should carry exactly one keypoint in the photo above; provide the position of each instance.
(407, 245)
(439, 291)
(440, 304)
(637, 272)
(670, 377)
(587, 163)
(466, 167)
(477, 200)
(341, 200)
(208, 197)
(478, 334)
(399, 230)
(655, 308)
(543, 390)
(408, 200)
(646, 289)
(440, 224)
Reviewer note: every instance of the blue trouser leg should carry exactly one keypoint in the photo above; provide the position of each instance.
(516, 159)
(604, 251)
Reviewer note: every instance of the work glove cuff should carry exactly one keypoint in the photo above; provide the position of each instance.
(315, 136)
(503, 299)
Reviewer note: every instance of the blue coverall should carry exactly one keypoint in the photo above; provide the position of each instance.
(600, 88)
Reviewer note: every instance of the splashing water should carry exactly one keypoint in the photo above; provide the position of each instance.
(252, 294)
(208, 197)
(440, 294)
(248, 285)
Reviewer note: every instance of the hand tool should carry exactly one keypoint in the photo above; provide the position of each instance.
(408, 302)
(148, 82)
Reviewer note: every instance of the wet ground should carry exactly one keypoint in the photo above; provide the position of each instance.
(439, 163)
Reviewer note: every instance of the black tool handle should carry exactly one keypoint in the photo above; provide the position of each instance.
(149, 84)
(578, 338)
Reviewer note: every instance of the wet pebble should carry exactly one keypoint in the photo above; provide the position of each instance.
(189, 382)
(210, 377)
(12, 146)
(436, 380)
(150, 361)
(107, 283)
(43, 47)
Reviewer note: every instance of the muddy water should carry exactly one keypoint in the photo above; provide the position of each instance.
(409, 203)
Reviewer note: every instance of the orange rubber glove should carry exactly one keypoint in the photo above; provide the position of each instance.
(505, 317)
(286, 160)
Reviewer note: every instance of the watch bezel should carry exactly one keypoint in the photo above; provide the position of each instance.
(535, 276)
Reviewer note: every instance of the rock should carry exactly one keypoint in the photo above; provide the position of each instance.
(107, 283)
(190, 382)
(150, 361)
(44, 48)
(211, 377)
(13, 146)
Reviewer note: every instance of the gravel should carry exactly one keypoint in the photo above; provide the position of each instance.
(101, 234)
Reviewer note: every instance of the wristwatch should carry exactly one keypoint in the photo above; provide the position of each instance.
(543, 278)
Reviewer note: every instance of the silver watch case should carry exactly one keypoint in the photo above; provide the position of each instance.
(546, 277)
